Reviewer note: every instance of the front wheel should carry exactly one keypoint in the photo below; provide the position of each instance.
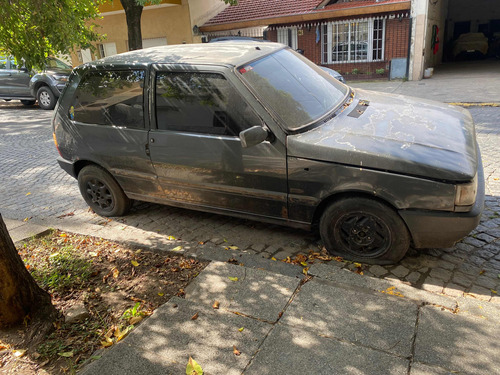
(102, 193)
(46, 98)
(364, 230)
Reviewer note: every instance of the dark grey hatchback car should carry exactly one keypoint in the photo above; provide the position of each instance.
(255, 130)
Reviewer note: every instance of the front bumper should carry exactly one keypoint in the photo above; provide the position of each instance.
(442, 229)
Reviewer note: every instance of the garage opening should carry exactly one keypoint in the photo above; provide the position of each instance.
(471, 30)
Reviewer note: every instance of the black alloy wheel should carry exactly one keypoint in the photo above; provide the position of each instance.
(364, 230)
(102, 193)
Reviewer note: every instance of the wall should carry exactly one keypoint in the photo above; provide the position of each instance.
(396, 45)
(436, 15)
(201, 11)
(170, 21)
(476, 11)
(418, 32)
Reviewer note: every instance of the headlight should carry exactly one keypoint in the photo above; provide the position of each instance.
(60, 78)
(465, 195)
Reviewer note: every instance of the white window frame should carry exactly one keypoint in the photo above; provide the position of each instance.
(330, 37)
(288, 36)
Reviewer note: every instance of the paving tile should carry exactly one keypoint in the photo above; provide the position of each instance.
(378, 321)
(296, 351)
(457, 342)
(253, 292)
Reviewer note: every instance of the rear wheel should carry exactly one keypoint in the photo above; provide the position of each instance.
(46, 98)
(364, 230)
(102, 193)
(28, 102)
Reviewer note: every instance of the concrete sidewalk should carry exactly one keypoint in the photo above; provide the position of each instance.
(334, 322)
(283, 322)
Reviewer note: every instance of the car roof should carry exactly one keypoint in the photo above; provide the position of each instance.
(228, 53)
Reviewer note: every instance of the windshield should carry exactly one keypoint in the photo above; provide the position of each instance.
(52, 62)
(296, 89)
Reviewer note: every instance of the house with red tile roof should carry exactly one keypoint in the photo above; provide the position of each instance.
(359, 38)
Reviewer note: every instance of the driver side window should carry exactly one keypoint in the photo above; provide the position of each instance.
(201, 103)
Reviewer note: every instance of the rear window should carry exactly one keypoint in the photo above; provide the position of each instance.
(110, 97)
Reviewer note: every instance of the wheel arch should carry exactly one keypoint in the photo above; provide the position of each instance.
(351, 194)
(80, 164)
(36, 86)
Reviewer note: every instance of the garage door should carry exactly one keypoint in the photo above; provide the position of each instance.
(154, 42)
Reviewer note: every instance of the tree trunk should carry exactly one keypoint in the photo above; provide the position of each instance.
(133, 13)
(20, 296)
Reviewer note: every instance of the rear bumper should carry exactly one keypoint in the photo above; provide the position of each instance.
(443, 229)
(67, 165)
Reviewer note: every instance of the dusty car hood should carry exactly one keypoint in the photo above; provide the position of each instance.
(398, 134)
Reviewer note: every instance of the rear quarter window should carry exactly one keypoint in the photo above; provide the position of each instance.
(110, 97)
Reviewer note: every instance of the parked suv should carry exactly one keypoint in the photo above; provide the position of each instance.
(17, 83)
(255, 130)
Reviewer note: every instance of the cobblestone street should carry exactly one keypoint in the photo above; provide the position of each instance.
(35, 188)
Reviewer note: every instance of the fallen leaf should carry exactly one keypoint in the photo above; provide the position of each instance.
(135, 320)
(170, 238)
(481, 272)
(28, 194)
(193, 368)
(115, 273)
(303, 264)
(304, 270)
(19, 353)
(216, 305)
(241, 329)
(233, 247)
(106, 343)
(195, 316)
(161, 294)
(236, 351)
(494, 291)
(66, 354)
(178, 248)
(357, 264)
(63, 235)
(273, 258)
(233, 278)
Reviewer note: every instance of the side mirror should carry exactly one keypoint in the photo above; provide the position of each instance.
(253, 136)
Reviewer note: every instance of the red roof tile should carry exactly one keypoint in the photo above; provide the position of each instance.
(256, 9)
(261, 9)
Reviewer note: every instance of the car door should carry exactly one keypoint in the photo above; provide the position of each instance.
(197, 153)
(19, 80)
(4, 76)
(106, 114)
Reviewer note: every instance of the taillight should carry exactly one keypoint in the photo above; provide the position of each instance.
(55, 142)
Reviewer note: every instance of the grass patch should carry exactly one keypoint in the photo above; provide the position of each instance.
(117, 286)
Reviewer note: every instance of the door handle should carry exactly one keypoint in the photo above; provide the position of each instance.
(152, 140)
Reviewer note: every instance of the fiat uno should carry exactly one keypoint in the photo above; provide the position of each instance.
(255, 130)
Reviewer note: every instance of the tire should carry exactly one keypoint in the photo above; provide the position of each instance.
(46, 98)
(364, 230)
(28, 102)
(102, 193)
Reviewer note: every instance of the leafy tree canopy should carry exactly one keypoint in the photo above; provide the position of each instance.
(31, 30)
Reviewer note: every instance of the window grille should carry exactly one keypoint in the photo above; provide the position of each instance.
(288, 36)
(353, 41)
